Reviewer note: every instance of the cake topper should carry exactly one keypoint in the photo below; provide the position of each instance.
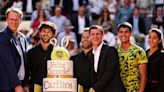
(59, 51)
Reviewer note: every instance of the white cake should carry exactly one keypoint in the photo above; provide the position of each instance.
(59, 77)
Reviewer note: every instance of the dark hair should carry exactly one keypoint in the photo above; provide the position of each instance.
(102, 14)
(160, 36)
(46, 26)
(43, 16)
(96, 27)
(125, 25)
(136, 7)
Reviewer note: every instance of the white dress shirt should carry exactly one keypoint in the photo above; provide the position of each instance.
(135, 25)
(19, 44)
(96, 53)
(75, 5)
(81, 24)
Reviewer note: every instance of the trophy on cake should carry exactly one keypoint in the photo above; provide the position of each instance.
(59, 70)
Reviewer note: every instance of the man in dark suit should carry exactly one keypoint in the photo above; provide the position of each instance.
(137, 22)
(105, 64)
(79, 22)
(12, 54)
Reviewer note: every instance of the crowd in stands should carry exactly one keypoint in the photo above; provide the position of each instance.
(72, 16)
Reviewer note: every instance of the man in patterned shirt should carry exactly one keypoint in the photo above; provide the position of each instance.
(132, 60)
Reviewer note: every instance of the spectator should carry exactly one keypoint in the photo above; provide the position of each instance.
(71, 46)
(41, 18)
(95, 7)
(132, 3)
(111, 6)
(38, 7)
(58, 19)
(4, 5)
(104, 64)
(33, 41)
(158, 18)
(68, 32)
(29, 6)
(132, 59)
(137, 22)
(80, 22)
(105, 17)
(155, 69)
(125, 12)
(70, 7)
(109, 37)
(82, 66)
(139, 28)
(159, 2)
(145, 6)
(18, 4)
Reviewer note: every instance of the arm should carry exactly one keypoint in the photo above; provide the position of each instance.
(143, 77)
(142, 60)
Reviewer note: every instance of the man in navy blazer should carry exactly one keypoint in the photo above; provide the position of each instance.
(105, 75)
(12, 54)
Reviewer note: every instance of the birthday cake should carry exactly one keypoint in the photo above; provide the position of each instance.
(59, 72)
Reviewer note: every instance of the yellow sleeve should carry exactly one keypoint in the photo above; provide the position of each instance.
(80, 88)
(141, 56)
(37, 88)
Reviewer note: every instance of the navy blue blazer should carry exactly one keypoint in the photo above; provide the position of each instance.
(10, 60)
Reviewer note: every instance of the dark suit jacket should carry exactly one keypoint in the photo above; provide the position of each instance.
(74, 21)
(107, 78)
(141, 25)
(10, 61)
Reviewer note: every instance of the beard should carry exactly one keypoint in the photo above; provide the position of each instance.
(86, 46)
(45, 39)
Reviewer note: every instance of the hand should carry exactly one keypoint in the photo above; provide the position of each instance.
(91, 90)
(19, 88)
